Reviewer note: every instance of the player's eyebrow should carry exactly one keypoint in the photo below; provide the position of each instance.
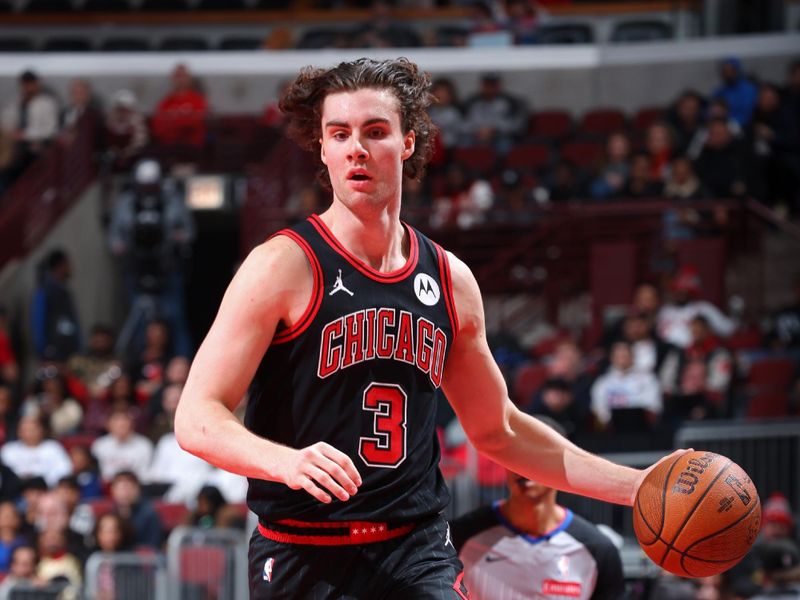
(366, 123)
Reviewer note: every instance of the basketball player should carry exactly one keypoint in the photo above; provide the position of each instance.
(528, 546)
(338, 440)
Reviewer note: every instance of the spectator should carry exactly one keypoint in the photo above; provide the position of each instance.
(81, 515)
(500, 544)
(86, 472)
(717, 109)
(126, 494)
(723, 162)
(50, 399)
(184, 472)
(777, 519)
(682, 183)
(524, 17)
(614, 173)
(640, 183)
(53, 514)
(686, 118)
(175, 373)
(82, 103)
(23, 570)
(151, 232)
(493, 116)
(382, 30)
(180, 117)
(674, 318)
(565, 183)
(774, 140)
(780, 566)
(31, 490)
(11, 535)
(98, 366)
(122, 449)
(6, 412)
(9, 368)
(515, 199)
(737, 91)
(691, 399)
(708, 348)
(33, 122)
(57, 564)
(113, 533)
(126, 134)
(10, 484)
(782, 327)
(212, 510)
(556, 400)
(33, 455)
(651, 354)
(446, 113)
(54, 319)
(659, 141)
(624, 388)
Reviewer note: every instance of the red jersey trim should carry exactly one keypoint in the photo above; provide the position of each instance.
(393, 277)
(458, 586)
(447, 285)
(307, 317)
(360, 532)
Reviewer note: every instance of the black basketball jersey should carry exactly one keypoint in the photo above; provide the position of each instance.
(360, 371)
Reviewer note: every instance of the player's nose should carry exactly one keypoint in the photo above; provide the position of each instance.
(357, 150)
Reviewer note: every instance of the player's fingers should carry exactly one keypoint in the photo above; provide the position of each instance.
(341, 459)
(326, 481)
(339, 474)
(308, 485)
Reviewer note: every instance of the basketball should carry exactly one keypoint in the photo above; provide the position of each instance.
(697, 515)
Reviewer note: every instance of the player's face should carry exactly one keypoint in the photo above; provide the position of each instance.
(364, 146)
(529, 490)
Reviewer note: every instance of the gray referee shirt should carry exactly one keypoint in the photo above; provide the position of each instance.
(575, 560)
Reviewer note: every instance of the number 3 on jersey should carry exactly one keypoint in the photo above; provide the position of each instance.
(387, 447)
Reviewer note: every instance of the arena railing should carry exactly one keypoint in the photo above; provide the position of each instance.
(47, 189)
(207, 563)
(125, 575)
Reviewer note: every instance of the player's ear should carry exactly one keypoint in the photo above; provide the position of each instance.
(322, 152)
(409, 142)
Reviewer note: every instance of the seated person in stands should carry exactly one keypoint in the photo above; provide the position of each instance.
(24, 563)
(11, 533)
(113, 533)
(528, 546)
(126, 493)
(53, 514)
(556, 401)
(640, 182)
(614, 173)
(180, 117)
(724, 162)
(623, 388)
(122, 449)
(494, 116)
(126, 134)
(33, 454)
(707, 348)
(57, 564)
(50, 399)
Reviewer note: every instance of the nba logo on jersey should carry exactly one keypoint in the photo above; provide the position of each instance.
(563, 566)
(267, 574)
(426, 289)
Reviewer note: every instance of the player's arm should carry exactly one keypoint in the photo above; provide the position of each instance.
(476, 390)
(272, 285)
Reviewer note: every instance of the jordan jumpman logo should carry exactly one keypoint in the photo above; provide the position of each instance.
(338, 286)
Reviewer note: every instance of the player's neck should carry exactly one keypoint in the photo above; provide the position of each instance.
(377, 238)
(534, 519)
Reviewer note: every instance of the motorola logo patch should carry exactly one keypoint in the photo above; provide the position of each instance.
(426, 289)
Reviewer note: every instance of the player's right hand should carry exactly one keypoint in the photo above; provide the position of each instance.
(322, 470)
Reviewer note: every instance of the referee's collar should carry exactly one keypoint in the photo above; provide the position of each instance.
(533, 539)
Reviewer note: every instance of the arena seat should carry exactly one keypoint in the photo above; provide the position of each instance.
(771, 374)
(241, 43)
(582, 154)
(642, 31)
(48, 6)
(646, 116)
(451, 35)
(171, 514)
(479, 159)
(125, 44)
(203, 567)
(528, 378)
(106, 6)
(528, 157)
(183, 44)
(13, 44)
(77, 439)
(602, 121)
(552, 124)
(565, 33)
(767, 405)
(66, 44)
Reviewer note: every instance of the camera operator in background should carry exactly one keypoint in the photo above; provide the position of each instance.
(152, 231)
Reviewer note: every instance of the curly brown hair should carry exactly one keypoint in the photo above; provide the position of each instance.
(302, 103)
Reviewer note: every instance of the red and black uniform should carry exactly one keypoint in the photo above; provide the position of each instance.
(359, 371)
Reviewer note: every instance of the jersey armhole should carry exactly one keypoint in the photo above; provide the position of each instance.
(447, 291)
(308, 315)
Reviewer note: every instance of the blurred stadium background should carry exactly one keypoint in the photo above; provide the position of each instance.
(622, 177)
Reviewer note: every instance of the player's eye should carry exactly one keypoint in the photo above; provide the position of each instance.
(376, 133)
(339, 136)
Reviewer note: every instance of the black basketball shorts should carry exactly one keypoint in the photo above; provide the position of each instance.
(307, 561)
